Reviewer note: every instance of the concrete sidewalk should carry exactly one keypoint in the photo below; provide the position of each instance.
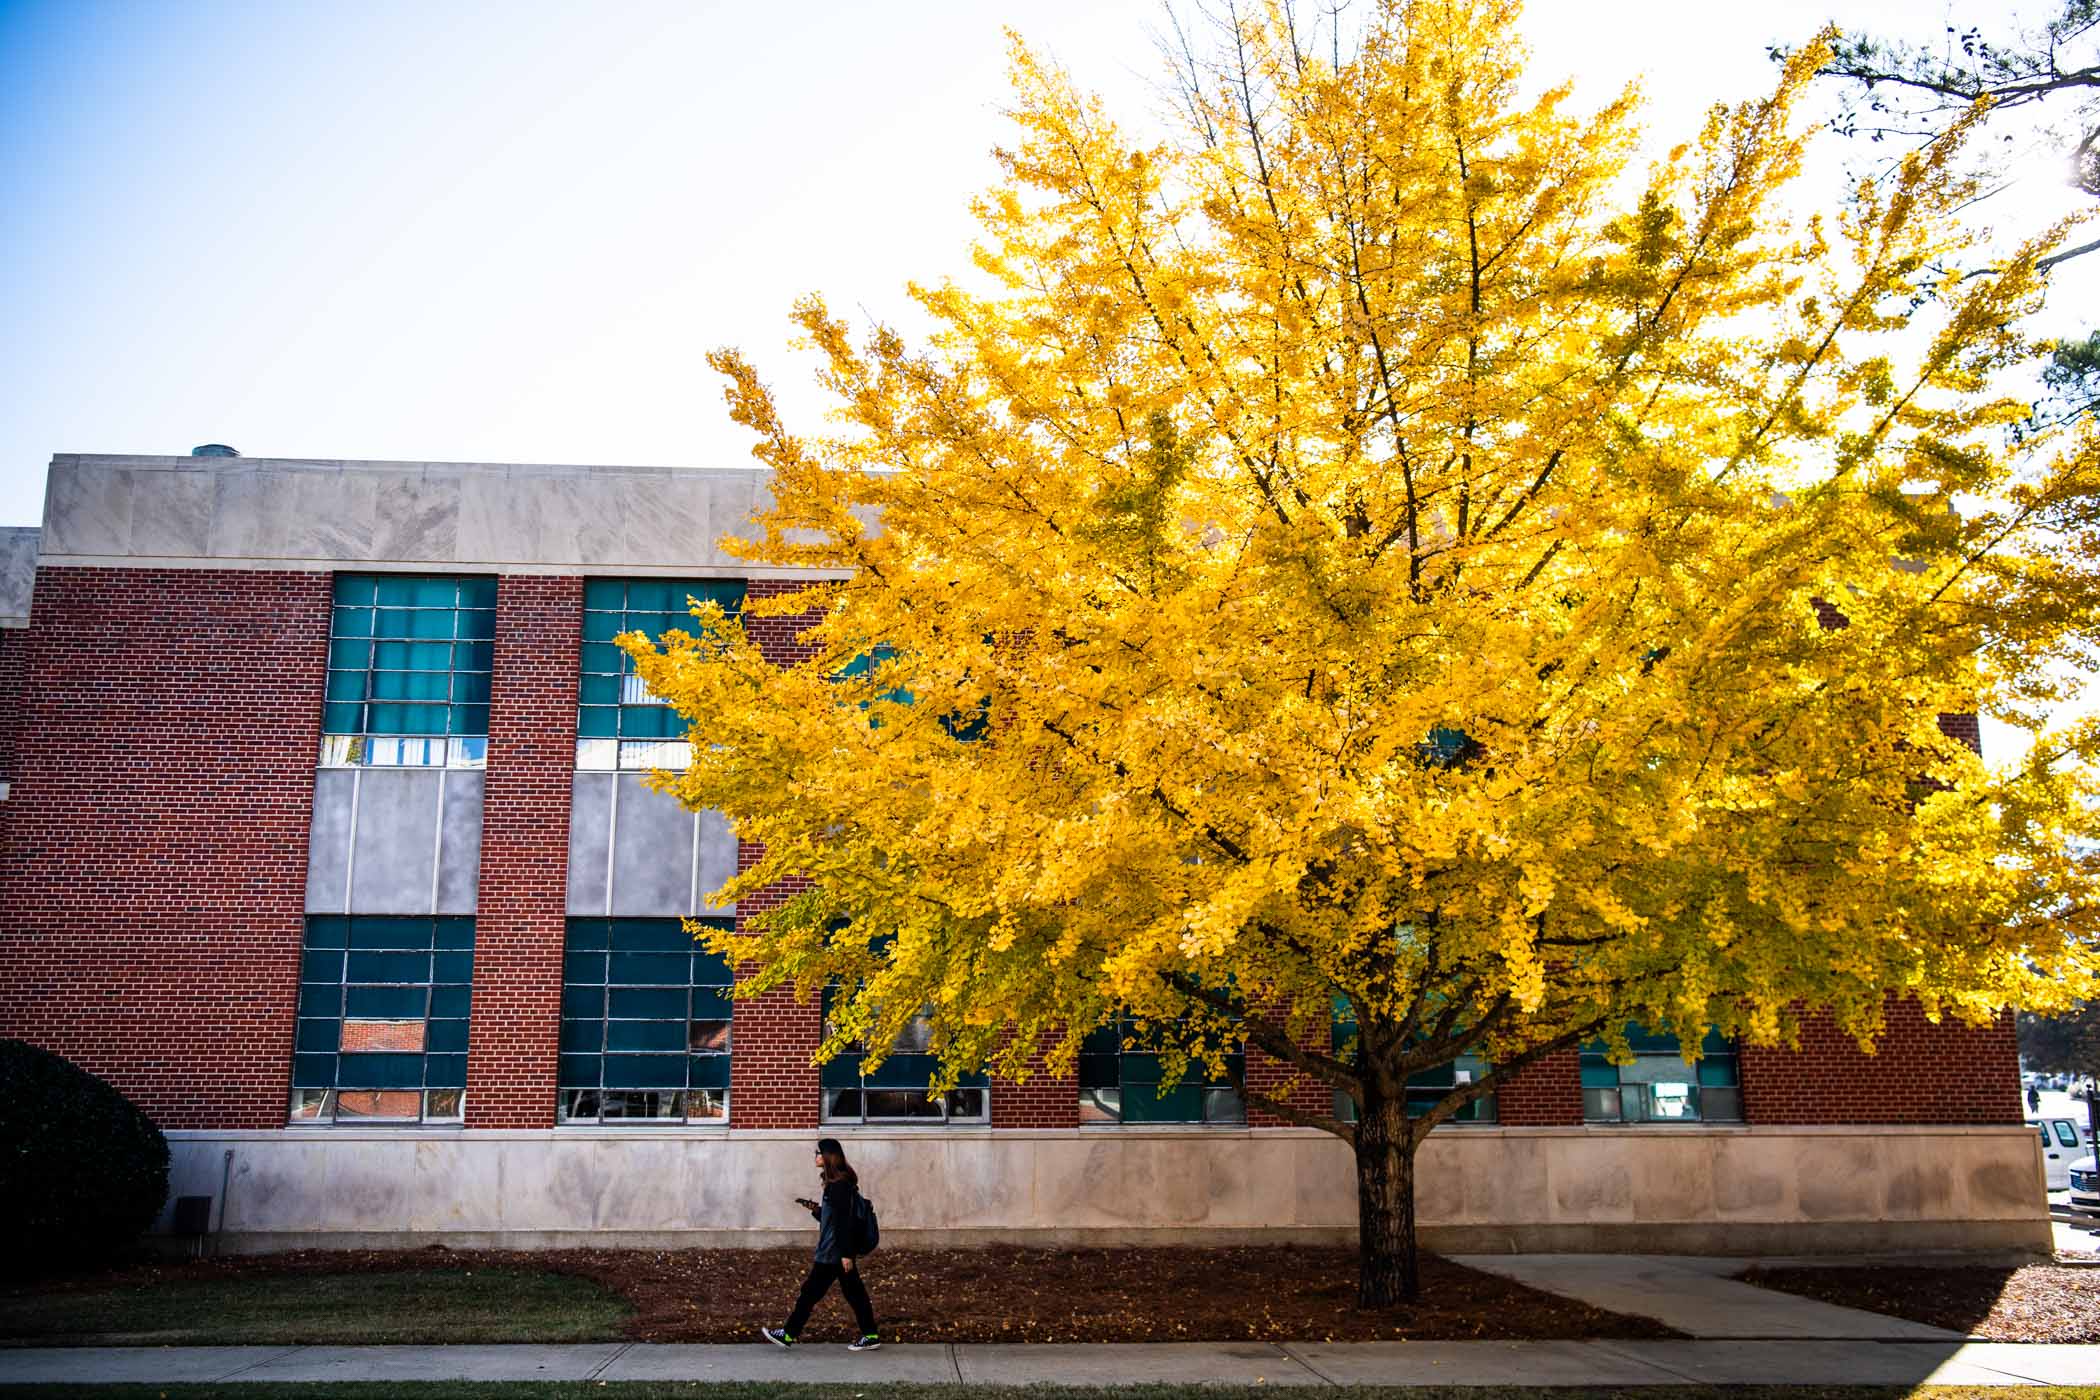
(1799, 1362)
(1698, 1296)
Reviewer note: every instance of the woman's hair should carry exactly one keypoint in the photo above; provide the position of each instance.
(834, 1166)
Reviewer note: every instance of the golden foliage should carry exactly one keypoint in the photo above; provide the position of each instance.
(1367, 549)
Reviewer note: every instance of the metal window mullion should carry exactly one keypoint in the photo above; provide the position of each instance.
(437, 851)
(364, 710)
(612, 844)
(605, 1020)
(357, 774)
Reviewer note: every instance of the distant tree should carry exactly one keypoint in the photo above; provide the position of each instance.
(1900, 89)
(2068, 1043)
(2072, 377)
(1907, 89)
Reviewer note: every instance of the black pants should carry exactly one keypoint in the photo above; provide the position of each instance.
(821, 1277)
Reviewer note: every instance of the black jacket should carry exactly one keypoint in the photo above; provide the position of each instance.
(835, 1222)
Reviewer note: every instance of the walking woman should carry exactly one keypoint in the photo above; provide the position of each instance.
(835, 1249)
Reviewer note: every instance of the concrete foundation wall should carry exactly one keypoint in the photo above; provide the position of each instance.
(1697, 1190)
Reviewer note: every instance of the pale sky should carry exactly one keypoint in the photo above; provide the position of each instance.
(509, 231)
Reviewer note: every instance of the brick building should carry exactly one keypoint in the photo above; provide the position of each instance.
(324, 835)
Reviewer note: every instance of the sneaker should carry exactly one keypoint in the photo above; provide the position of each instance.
(871, 1342)
(777, 1336)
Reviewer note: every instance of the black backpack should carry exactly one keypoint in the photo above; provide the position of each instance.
(867, 1231)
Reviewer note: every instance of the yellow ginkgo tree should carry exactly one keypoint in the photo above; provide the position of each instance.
(1378, 550)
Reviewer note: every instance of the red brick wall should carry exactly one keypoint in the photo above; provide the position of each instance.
(776, 636)
(1547, 1093)
(772, 1083)
(153, 860)
(1044, 1100)
(1278, 1079)
(519, 925)
(1966, 728)
(1920, 1073)
(14, 655)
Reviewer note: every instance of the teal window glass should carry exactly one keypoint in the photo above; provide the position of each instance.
(865, 664)
(1120, 1078)
(619, 723)
(409, 659)
(967, 725)
(1425, 1089)
(896, 1091)
(382, 1029)
(645, 1024)
(1660, 1086)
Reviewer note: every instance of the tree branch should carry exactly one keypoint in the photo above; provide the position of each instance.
(1272, 1039)
(1291, 1113)
(1451, 1103)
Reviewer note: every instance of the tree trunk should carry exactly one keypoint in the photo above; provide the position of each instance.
(1388, 1270)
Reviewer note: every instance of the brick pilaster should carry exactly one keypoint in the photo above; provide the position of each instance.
(1547, 1093)
(519, 922)
(1279, 1079)
(1045, 1100)
(772, 1083)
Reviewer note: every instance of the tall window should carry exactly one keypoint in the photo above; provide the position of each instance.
(620, 723)
(408, 671)
(1659, 1086)
(382, 1033)
(645, 1024)
(1425, 1089)
(1119, 1080)
(895, 1091)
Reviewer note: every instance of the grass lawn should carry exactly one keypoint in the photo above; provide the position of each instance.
(450, 1305)
(720, 1390)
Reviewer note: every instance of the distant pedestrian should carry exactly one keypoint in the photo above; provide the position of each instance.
(837, 1244)
(2034, 1099)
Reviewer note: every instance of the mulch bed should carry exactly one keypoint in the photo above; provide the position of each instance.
(2034, 1303)
(1269, 1293)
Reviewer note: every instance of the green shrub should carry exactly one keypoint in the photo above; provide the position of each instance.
(82, 1170)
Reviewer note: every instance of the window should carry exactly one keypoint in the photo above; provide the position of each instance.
(1424, 1089)
(619, 723)
(645, 1024)
(965, 726)
(1659, 1086)
(895, 1091)
(382, 1034)
(408, 672)
(1119, 1082)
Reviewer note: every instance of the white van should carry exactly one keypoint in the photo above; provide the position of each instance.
(2061, 1145)
(2085, 1186)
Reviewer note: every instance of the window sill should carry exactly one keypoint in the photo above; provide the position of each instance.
(375, 1126)
(640, 1126)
